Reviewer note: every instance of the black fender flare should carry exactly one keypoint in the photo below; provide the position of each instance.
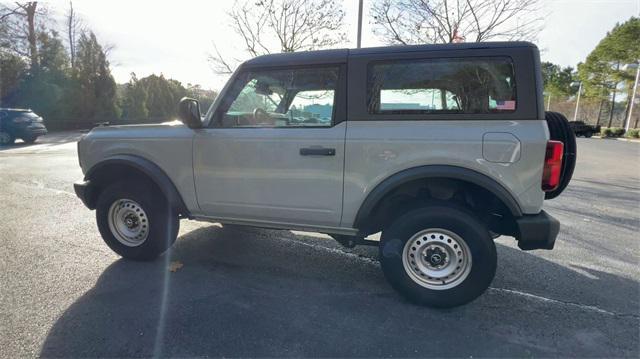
(434, 171)
(148, 168)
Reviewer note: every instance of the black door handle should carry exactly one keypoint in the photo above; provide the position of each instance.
(317, 151)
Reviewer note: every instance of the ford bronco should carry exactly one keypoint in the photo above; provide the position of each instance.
(441, 148)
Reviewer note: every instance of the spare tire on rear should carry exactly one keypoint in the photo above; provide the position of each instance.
(560, 130)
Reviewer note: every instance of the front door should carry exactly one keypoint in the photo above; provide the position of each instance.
(275, 152)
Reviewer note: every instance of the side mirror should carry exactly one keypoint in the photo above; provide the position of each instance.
(189, 112)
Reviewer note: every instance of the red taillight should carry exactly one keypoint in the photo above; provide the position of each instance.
(552, 170)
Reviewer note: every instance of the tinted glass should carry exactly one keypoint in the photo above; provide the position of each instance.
(284, 98)
(473, 85)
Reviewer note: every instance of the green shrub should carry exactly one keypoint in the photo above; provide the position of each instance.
(633, 133)
(605, 132)
(617, 131)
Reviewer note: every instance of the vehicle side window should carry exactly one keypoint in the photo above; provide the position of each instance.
(451, 85)
(284, 98)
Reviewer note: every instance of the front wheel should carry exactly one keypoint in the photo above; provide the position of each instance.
(438, 255)
(6, 138)
(135, 220)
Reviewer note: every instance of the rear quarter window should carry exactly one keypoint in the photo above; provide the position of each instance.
(446, 85)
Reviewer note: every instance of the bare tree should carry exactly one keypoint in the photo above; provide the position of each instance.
(74, 28)
(268, 26)
(445, 21)
(19, 20)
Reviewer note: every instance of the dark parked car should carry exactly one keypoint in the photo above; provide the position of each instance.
(582, 129)
(19, 123)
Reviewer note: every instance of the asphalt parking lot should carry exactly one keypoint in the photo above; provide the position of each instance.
(255, 292)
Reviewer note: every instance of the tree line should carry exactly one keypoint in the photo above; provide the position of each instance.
(66, 76)
(606, 77)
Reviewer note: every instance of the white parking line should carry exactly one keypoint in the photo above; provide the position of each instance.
(376, 263)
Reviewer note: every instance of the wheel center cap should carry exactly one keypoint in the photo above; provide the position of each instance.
(436, 257)
(131, 221)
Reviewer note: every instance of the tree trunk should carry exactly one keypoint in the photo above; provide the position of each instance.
(30, 9)
(71, 34)
(613, 105)
(613, 101)
(628, 107)
(599, 112)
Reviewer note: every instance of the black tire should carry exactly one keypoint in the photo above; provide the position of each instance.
(30, 140)
(162, 220)
(449, 218)
(6, 138)
(560, 130)
(588, 134)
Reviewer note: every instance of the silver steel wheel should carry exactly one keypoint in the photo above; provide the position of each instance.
(437, 259)
(128, 222)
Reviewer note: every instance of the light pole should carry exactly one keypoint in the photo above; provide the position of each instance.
(633, 95)
(575, 114)
(548, 100)
(360, 23)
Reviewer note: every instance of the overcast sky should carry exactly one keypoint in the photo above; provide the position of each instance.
(175, 37)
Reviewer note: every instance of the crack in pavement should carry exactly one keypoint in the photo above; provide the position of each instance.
(564, 302)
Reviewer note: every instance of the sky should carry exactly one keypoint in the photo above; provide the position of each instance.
(175, 37)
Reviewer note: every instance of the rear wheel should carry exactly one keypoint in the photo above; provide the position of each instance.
(6, 138)
(588, 134)
(135, 221)
(439, 255)
(30, 139)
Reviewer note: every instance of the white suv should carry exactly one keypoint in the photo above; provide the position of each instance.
(440, 147)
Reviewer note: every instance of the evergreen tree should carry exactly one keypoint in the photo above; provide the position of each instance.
(557, 80)
(12, 69)
(205, 97)
(95, 87)
(603, 70)
(43, 88)
(36, 73)
(135, 100)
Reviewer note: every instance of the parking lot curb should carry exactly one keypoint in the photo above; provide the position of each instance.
(619, 139)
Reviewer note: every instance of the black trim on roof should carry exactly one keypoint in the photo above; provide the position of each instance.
(340, 55)
(441, 47)
(300, 58)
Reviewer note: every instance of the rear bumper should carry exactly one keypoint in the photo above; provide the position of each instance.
(84, 190)
(538, 231)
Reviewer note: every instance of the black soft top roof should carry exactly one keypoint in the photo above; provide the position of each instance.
(340, 55)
